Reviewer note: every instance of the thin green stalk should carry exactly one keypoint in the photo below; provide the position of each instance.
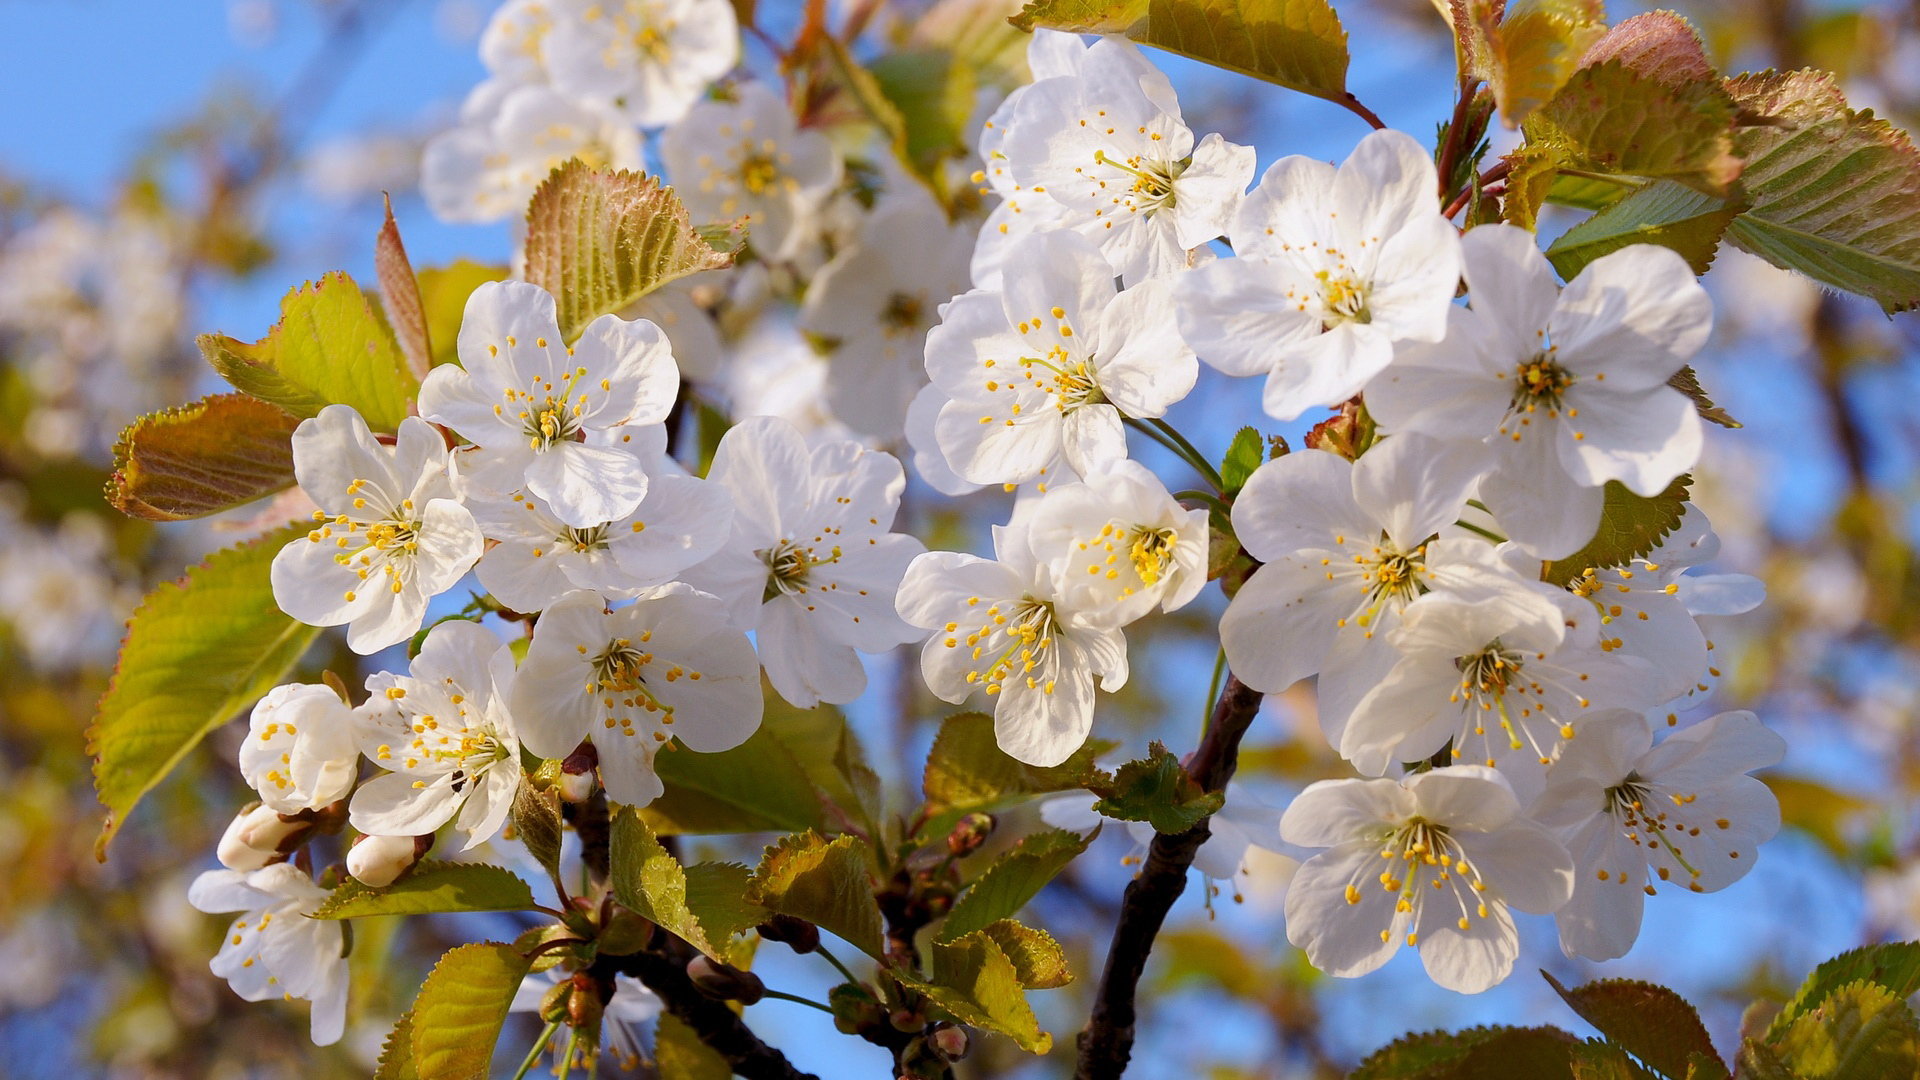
(1489, 534)
(1208, 497)
(797, 999)
(533, 1055)
(1185, 452)
(1213, 690)
(835, 961)
(566, 1063)
(1199, 460)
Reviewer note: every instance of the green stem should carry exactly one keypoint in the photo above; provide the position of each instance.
(1185, 452)
(797, 999)
(835, 961)
(1212, 500)
(1621, 181)
(1213, 690)
(1489, 534)
(533, 1055)
(1198, 459)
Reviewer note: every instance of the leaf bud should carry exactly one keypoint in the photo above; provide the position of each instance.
(856, 1010)
(799, 934)
(951, 1041)
(588, 1001)
(556, 1005)
(724, 981)
(969, 833)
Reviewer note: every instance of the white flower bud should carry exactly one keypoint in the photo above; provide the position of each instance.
(299, 752)
(378, 861)
(253, 839)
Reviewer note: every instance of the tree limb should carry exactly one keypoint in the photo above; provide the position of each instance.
(664, 971)
(1106, 1044)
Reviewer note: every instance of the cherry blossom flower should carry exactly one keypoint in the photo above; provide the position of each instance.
(298, 753)
(1120, 545)
(1685, 808)
(1041, 372)
(1569, 387)
(811, 565)
(624, 1023)
(388, 536)
(273, 950)
(513, 44)
(875, 300)
(1050, 54)
(747, 158)
(510, 136)
(1333, 269)
(444, 734)
(1109, 145)
(1001, 625)
(669, 664)
(650, 59)
(537, 558)
(547, 416)
(1435, 861)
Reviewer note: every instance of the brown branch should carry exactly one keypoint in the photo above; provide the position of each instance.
(664, 971)
(1352, 104)
(1106, 1044)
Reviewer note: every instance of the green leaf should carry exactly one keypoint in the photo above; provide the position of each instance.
(432, 887)
(1651, 1022)
(197, 651)
(1488, 1053)
(1014, 878)
(1687, 381)
(1157, 789)
(1664, 212)
(1609, 119)
(1245, 453)
(679, 1053)
(1862, 1029)
(933, 92)
(1599, 1060)
(1533, 49)
(600, 239)
(330, 347)
(757, 786)
(967, 771)
(1835, 192)
(828, 751)
(457, 1017)
(1823, 812)
(536, 821)
(1038, 960)
(653, 884)
(1895, 966)
(199, 459)
(976, 983)
(396, 1053)
(1658, 45)
(1298, 44)
(717, 896)
(827, 884)
(1630, 526)
(443, 300)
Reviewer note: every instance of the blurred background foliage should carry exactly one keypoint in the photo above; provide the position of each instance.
(108, 267)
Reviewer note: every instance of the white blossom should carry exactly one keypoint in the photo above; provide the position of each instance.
(1684, 809)
(1435, 861)
(811, 565)
(510, 137)
(273, 950)
(747, 158)
(649, 59)
(1568, 387)
(1333, 269)
(513, 43)
(624, 1023)
(1041, 373)
(670, 664)
(298, 752)
(388, 534)
(1120, 545)
(549, 417)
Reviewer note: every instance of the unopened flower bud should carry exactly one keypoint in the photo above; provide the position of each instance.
(556, 1004)
(906, 1020)
(724, 981)
(258, 837)
(952, 1041)
(969, 833)
(576, 773)
(588, 1001)
(378, 861)
(799, 934)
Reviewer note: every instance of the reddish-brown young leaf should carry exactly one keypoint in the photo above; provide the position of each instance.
(198, 459)
(400, 292)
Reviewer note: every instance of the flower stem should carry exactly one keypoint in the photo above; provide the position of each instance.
(797, 999)
(835, 961)
(1208, 497)
(1213, 690)
(533, 1055)
(1488, 533)
(1177, 445)
(566, 1063)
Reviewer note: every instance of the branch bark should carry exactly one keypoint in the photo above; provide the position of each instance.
(1106, 1044)
(664, 971)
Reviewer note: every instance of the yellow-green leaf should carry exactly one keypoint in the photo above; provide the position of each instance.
(396, 1053)
(966, 769)
(197, 651)
(1014, 878)
(1038, 961)
(1895, 965)
(1663, 212)
(1610, 119)
(1861, 1030)
(976, 982)
(757, 786)
(1157, 789)
(679, 1053)
(432, 887)
(1535, 48)
(1630, 526)
(600, 239)
(826, 883)
(199, 459)
(457, 1017)
(443, 300)
(330, 347)
(652, 883)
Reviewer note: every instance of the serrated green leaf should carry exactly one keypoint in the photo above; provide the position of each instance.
(197, 651)
(967, 771)
(1421, 1054)
(537, 824)
(1861, 1029)
(1298, 44)
(457, 1017)
(330, 347)
(1664, 212)
(1014, 878)
(757, 786)
(432, 887)
(1534, 48)
(826, 883)
(1757, 1062)
(396, 1053)
(828, 751)
(1659, 45)
(1245, 453)
(1630, 526)
(679, 1053)
(976, 983)
(1486, 1053)
(1651, 1022)
(1609, 119)
(1157, 789)
(1038, 961)
(443, 300)
(653, 884)
(600, 239)
(1600, 1060)
(1687, 381)
(215, 454)
(1895, 965)
(1835, 192)
(717, 896)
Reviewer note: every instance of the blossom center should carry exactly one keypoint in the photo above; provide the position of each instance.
(904, 313)
(789, 565)
(1417, 852)
(1152, 187)
(1151, 552)
(759, 173)
(1540, 382)
(1343, 297)
(386, 539)
(1015, 641)
(1655, 819)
